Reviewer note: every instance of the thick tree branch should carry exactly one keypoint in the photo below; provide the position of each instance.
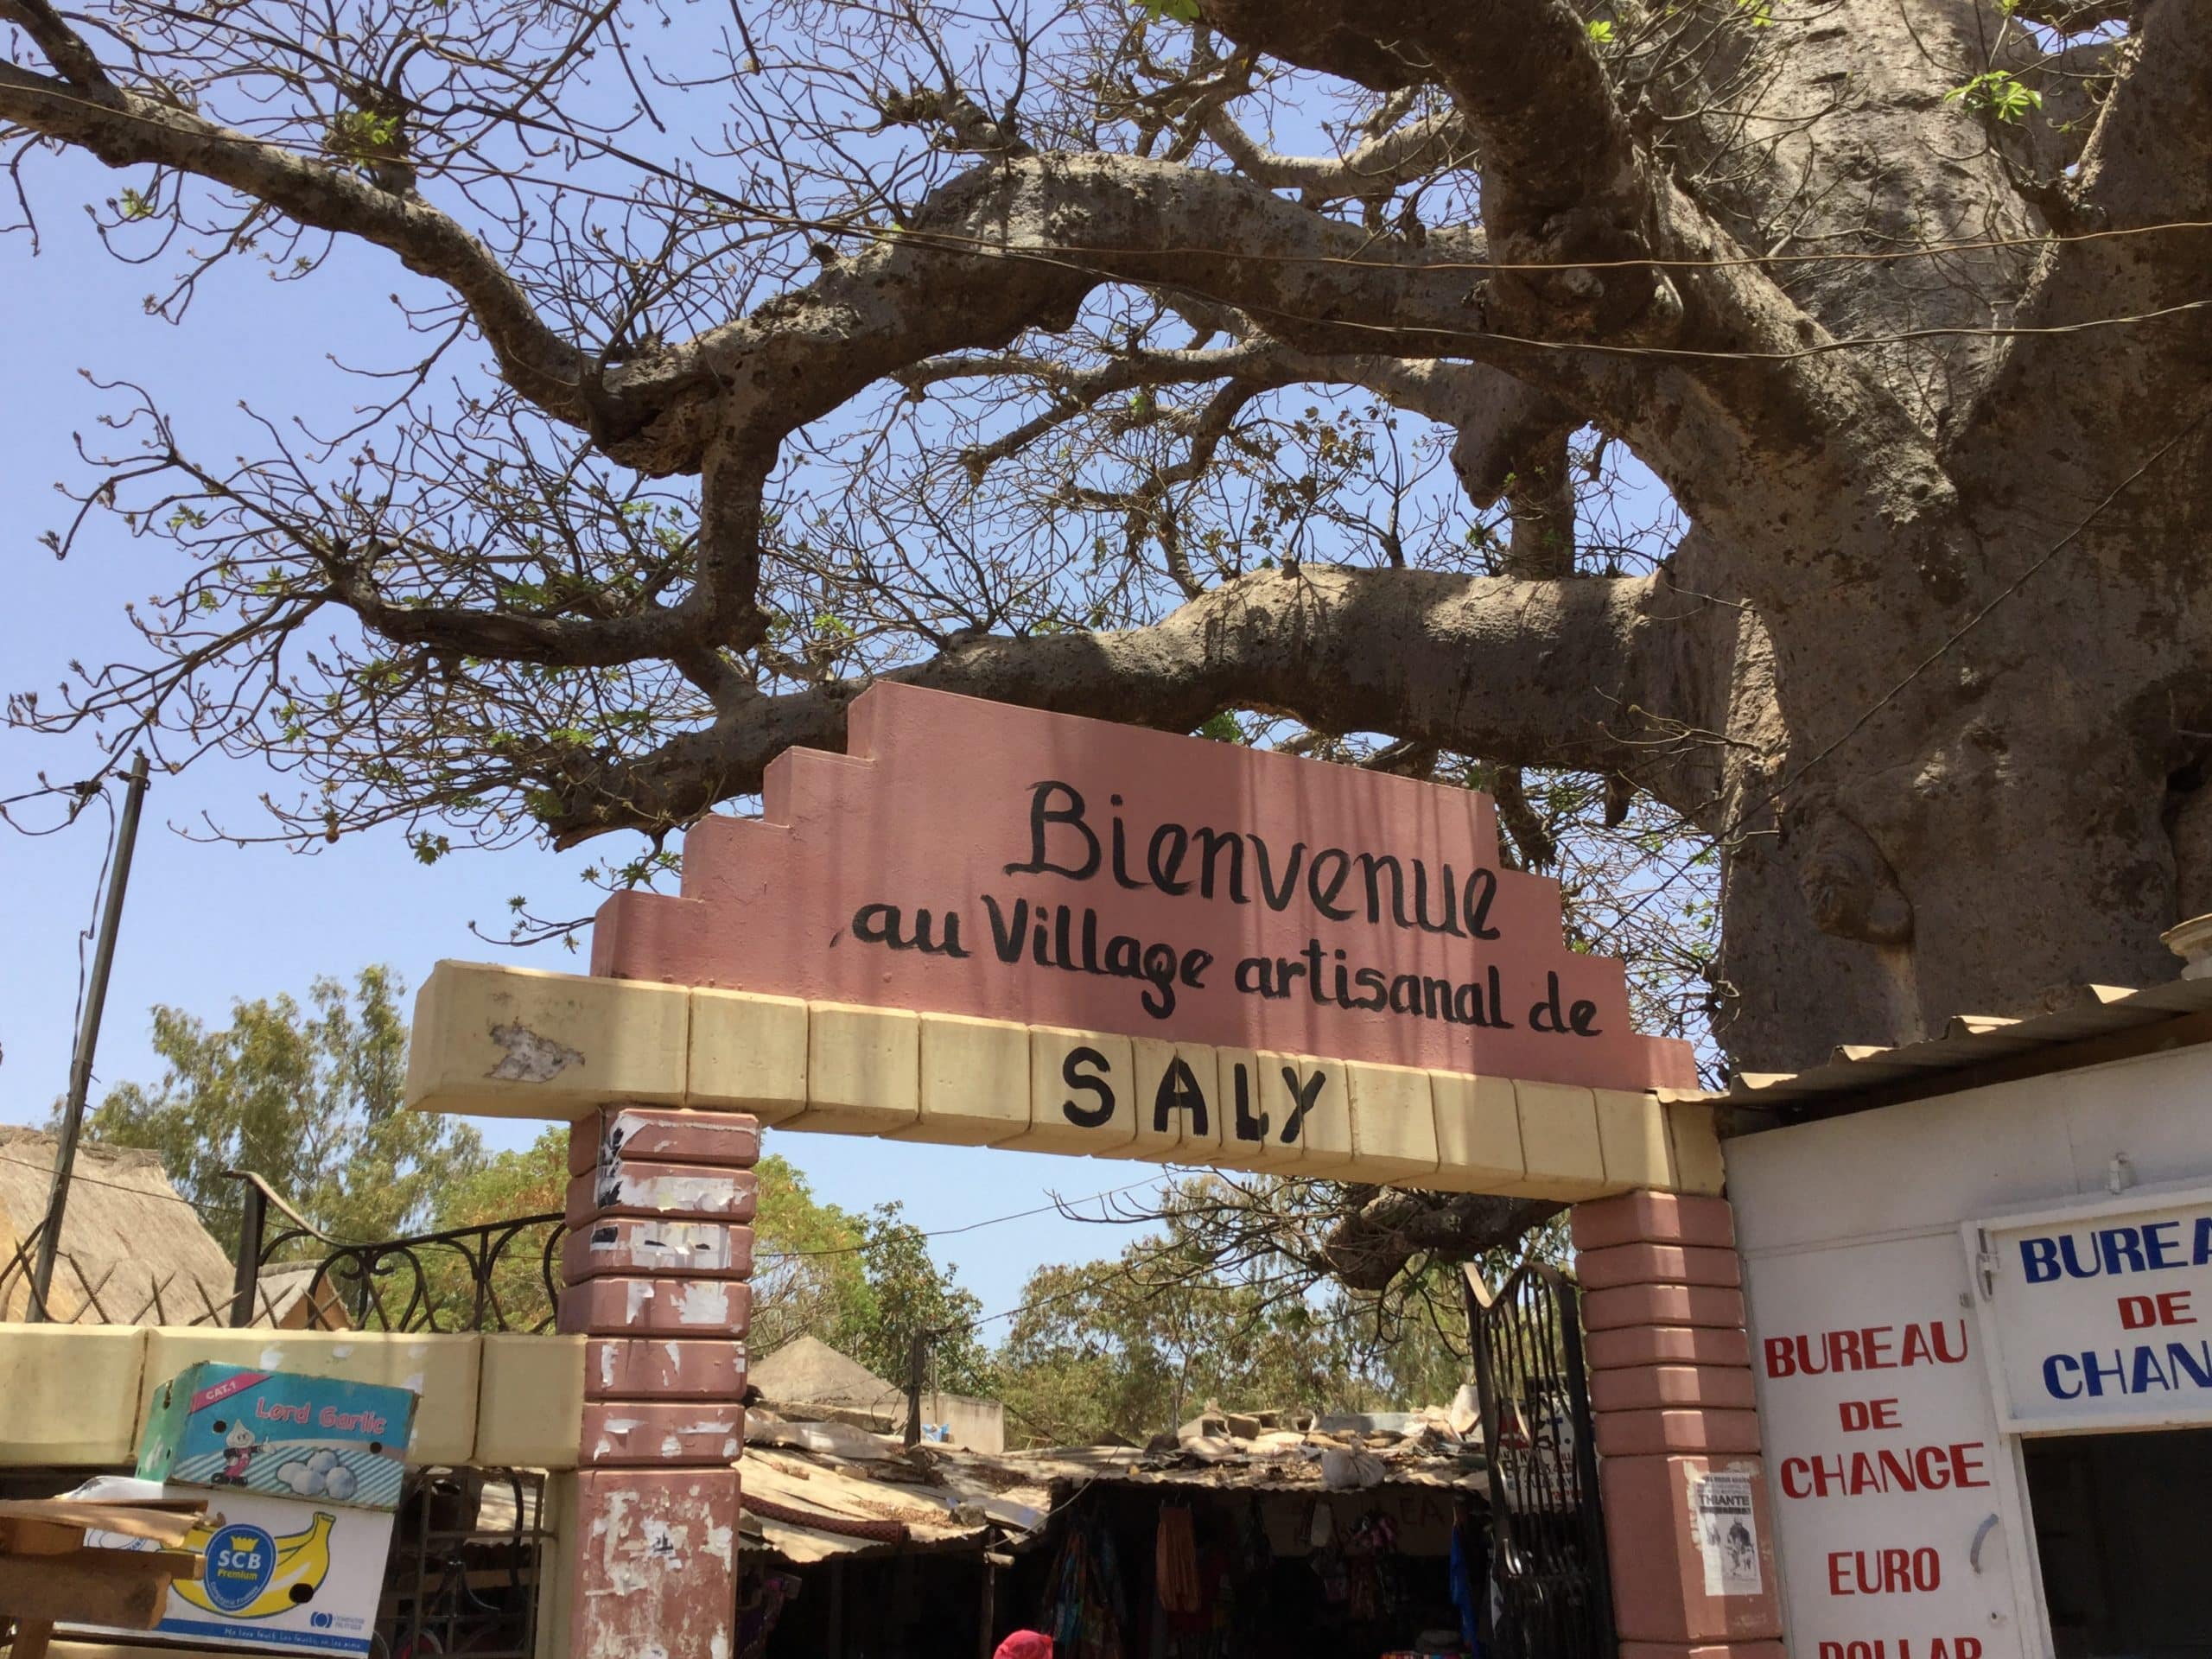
(2150, 157)
(1553, 673)
(64, 48)
(1374, 1245)
(1009, 248)
(1362, 49)
(2077, 397)
(1541, 497)
(1562, 178)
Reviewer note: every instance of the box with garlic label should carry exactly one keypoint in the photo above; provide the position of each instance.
(279, 1433)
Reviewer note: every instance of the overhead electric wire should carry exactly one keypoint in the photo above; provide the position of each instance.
(966, 1227)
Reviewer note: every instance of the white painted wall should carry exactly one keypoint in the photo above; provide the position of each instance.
(1854, 1226)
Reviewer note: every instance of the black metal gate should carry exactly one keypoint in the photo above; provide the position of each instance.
(1554, 1598)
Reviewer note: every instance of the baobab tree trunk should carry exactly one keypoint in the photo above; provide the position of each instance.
(2004, 806)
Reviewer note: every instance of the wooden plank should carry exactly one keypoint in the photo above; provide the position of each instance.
(164, 1520)
(89, 1587)
(39, 1538)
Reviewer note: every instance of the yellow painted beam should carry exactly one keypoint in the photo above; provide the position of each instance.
(517, 1043)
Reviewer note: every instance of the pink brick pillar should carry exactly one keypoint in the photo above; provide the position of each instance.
(656, 1263)
(1670, 1391)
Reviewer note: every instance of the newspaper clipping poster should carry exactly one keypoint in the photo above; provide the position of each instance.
(1727, 1539)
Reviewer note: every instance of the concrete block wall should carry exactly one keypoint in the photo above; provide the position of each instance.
(1670, 1397)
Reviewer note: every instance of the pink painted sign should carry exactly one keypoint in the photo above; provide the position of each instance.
(973, 858)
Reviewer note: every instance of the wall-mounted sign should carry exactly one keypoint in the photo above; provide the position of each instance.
(2099, 1316)
(973, 858)
(1882, 1452)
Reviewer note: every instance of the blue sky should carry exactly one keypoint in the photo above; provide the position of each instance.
(206, 923)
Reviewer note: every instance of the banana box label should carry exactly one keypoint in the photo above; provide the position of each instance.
(282, 1433)
(282, 1576)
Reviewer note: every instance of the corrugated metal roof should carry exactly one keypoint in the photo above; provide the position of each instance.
(1273, 1463)
(932, 1497)
(807, 1483)
(1969, 1042)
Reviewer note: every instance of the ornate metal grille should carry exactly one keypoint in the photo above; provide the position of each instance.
(502, 1276)
(468, 1555)
(1548, 1535)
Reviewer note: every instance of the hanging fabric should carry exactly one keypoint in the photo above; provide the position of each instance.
(1175, 1560)
(1084, 1604)
(1464, 1598)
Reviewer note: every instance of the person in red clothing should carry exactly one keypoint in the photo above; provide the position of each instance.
(1024, 1644)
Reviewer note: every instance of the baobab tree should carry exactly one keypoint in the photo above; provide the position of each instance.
(1196, 360)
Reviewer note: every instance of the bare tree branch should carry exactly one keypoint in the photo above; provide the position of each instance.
(1377, 166)
(127, 128)
(1388, 1229)
(2076, 17)
(64, 48)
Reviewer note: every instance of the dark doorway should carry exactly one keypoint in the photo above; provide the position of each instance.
(2119, 1529)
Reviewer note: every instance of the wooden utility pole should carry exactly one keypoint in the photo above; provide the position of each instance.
(918, 1356)
(88, 1037)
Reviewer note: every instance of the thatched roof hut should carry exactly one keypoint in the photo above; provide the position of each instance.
(808, 1372)
(133, 1249)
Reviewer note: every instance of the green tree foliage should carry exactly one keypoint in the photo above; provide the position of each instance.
(531, 1180)
(908, 1296)
(807, 1276)
(1132, 1346)
(867, 1285)
(309, 1097)
(1126, 1349)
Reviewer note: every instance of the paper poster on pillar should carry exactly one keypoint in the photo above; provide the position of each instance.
(1726, 1532)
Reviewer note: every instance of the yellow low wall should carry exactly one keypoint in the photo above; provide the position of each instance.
(69, 1394)
(75, 1394)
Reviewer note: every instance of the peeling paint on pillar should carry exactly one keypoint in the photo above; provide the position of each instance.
(686, 1431)
(617, 1368)
(655, 1564)
(663, 1297)
(625, 1305)
(623, 1244)
(670, 1190)
(620, 1133)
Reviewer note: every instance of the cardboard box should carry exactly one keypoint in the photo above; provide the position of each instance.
(283, 1575)
(280, 1432)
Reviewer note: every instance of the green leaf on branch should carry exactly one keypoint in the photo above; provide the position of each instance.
(1997, 93)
